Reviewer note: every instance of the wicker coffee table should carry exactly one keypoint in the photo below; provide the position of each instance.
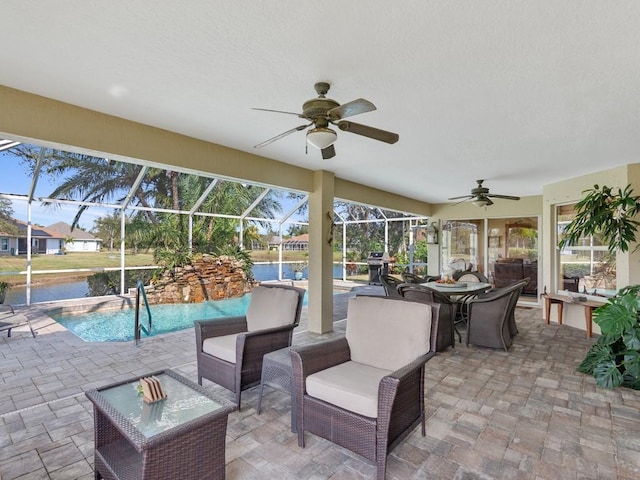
(277, 372)
(182, 436)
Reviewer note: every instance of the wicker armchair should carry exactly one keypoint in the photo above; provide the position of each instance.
(491, 317)
(365, 391)
(446, 315)
(229, 351)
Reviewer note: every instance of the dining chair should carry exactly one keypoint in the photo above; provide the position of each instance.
(446, 316)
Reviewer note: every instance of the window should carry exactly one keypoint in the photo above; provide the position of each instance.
(4, 244)
(587, 266)
(460, 245)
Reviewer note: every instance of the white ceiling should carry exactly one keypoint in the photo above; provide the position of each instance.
(520, 93)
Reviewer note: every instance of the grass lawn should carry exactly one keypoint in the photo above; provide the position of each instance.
(75, 260)
(71, 260)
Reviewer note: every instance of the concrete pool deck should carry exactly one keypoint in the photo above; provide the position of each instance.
(522, 414)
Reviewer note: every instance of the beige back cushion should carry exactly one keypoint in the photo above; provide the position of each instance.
(387, 334)
(271, 307)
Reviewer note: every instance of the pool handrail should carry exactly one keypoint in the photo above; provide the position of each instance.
(137, 328)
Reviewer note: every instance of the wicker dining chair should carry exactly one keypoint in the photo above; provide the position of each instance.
(409, 277)
(229, 350)
(365, 391)
(491, 317)
(446, 316)
(390, 284)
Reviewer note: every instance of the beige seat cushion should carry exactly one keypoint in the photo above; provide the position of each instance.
(387, 334)
(271, 307)
(221, 347)
(350, 385)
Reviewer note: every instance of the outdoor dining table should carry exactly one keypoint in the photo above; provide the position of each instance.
(457, 289)
(459, 293)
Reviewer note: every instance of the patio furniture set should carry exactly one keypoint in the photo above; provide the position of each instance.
(486, 312)
(354, 391)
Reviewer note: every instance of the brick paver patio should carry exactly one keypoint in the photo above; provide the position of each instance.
(522, 414)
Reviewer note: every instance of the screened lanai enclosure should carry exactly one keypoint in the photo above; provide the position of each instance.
(134, 207)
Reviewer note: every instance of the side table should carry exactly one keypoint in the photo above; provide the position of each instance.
(181, 436)
(277, 372)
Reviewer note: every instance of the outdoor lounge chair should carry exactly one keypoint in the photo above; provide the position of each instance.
(229, 351)
(9, 320)
(365, 391)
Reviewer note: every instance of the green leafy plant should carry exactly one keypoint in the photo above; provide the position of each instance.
(614, 359)
(606, 212)
(4, 287)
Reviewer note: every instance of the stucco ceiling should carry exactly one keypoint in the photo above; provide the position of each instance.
(520, 93)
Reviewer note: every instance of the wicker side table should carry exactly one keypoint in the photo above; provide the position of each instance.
(182, 436)
(277, 372)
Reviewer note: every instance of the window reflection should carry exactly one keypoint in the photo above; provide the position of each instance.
(588, 265)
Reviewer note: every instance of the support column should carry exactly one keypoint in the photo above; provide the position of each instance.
(320, 311)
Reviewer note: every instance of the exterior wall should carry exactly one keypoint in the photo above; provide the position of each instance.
(52, 246)
(12, 245)
(82, 246)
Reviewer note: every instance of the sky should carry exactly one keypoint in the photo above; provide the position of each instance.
(14, 179)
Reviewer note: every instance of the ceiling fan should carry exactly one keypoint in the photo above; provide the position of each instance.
(481, 197)
(321, 112)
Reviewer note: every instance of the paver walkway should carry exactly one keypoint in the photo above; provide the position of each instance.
(522, 414)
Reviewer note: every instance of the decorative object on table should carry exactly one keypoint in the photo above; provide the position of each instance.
(321, 112)
(152, 390)
(298, 270)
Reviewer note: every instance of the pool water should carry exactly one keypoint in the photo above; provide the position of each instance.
(118, 325)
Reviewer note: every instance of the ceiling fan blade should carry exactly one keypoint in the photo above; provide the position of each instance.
(284, 134)
(328, 152)
(371, 132)
(355, 107)
(505, 197)
(278, 111)
(461, 197)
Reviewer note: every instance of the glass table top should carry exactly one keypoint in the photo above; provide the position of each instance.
(182, 405)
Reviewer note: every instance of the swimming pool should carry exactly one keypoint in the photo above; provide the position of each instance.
(118, 325)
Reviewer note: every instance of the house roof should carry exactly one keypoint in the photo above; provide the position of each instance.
(64, 229)
(304, 238)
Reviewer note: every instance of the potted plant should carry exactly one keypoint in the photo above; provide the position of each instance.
(614, 359)
(298, 269)
(4, 287)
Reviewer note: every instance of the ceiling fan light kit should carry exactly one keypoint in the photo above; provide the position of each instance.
(481, 202)
(322, 112)
(321, 137)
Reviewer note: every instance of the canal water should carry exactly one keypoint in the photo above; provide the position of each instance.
(65, 291)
